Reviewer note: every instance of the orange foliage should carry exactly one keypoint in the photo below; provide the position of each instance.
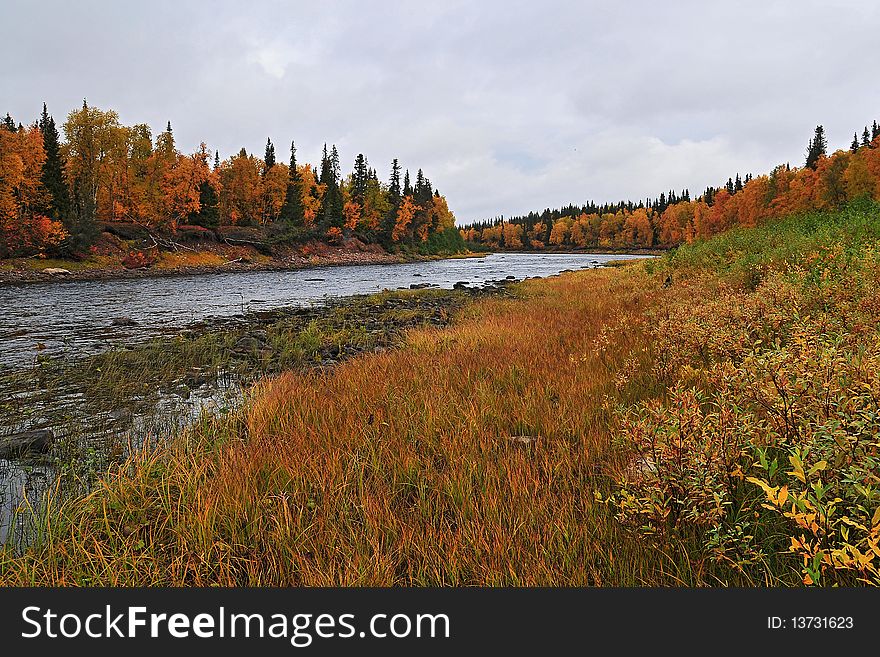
(405, 214)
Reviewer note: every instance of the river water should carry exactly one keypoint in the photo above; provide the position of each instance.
(69, 319)
(75, 317)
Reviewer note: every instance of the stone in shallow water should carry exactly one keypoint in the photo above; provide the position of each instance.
(29, 442)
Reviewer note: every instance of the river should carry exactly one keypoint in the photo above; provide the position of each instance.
(75, 317)
(66, 320)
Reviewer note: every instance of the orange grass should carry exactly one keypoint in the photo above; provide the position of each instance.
(400, 468)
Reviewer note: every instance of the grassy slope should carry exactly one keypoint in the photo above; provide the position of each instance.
(501, 450)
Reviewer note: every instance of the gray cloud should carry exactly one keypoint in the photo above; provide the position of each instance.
(507, 106)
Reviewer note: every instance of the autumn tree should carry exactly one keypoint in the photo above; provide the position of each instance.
(403, 221)
(24, 229)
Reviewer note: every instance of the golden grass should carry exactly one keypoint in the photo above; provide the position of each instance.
(472, 455)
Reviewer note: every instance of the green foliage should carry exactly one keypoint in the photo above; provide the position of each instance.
(447, 242)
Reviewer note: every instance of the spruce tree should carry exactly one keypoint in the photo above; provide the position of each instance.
(331, 204)
(866, 138)
(407, 188)
(53, 169)
(875, 130)
(854, 146)
(817, 148)
(737, 185)
(216, 160)
(8, 123)
(292, 212)
(208, 215)
(359, 179)
(394, 183)
(269, 158)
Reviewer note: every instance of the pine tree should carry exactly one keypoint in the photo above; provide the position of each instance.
(359, 179)
(737, 185)
(331, 204)
(729, 187)
(875, 130)
(407, 189)
(269, 158)
(866, 138)
(855, 143)
(8, 123)
(394, 183)
(292, 212)
(209, 207)
(216, 160)
(53, 169)
(817, 148)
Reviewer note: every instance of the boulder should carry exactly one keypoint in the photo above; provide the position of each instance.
(56, 271)
(123, 321)
(461, 285)
(29, 442)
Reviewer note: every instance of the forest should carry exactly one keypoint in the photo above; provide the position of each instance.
(58, 194)
(825, 182)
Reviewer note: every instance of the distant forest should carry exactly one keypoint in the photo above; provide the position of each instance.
(56, 193)
(673, 218)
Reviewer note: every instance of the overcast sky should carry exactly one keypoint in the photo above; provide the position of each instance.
(507, 106)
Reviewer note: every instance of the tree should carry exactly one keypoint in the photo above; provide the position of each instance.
(53, 168)
(292, 213)
(269, 159)
(24, 230)
(95, 141)
(403, 221)
(241, 189)
(866, 138)
(855, 143)
(817, 148)
(332, 202)
(9, 124)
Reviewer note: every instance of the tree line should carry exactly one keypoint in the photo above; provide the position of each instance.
(55, 193)
(824, 182)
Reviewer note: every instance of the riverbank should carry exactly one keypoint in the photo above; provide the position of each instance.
(706, 418)
(195, 262)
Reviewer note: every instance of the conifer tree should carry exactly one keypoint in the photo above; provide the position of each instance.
(8, 123)
(817, 148)
(875, 130)
(269, 158)
(53, 168)
(394, 183)
(855, 143)
(292, 212)
(866, 137)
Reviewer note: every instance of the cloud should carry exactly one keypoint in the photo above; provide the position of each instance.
(507, 106)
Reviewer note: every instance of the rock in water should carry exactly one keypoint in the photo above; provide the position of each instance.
(29, 442)
(123, 321)
(461, 285)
